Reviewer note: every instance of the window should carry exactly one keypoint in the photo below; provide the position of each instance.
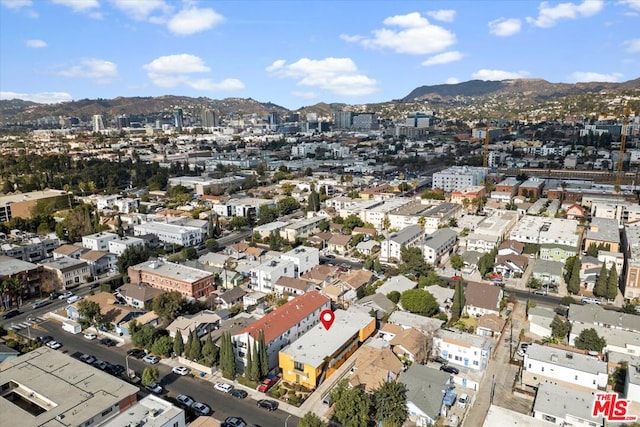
(298, 366)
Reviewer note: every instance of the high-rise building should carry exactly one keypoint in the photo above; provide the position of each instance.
(209, 118)
(98, 124)
(294, 117)
(343, 119)
(178, 118)
(274, 118)
(418, 120)
(364, 121)
(122, 121)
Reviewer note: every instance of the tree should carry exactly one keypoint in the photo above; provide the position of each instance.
(534, 283)
(394, 296)
(459, 301)
(210, 351)
(237, 222)
(351, 222)
(133, 255)
(419, 301)
(487, 261)
(559, 327)
(263, 357)
(187, 347)
(574, 283)
(211, 244)
(568, 268)
(456, 261)
(592, 250)
(288, 205)
(195, 352)
(119, 227)
(227, 357)
(178, 344)
(13, 287)
(251, 372)
(590, 340)
(162, 345)
(390, 402)
(612, 283)
(313, 201)
(267, 214)
(150, 375)
(310, 419)
(90, 312)
(413, 262)
(169, 305)
(351, 407)
(143, 336)
(600, 288)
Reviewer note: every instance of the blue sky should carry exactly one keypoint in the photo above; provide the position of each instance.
(296, 53)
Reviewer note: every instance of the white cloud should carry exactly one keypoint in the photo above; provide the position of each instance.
(304, 95)
(141, 10)
(633, 4)
(486, 74)
(336, 75)
(503, 27)
(443, 58)
(91, 68)
(632, 46)
(589, 76)
(15, 4)
(452, 81)
(548, 16)
(444, 15)
(415, 36)
(193, 20)
(177, 70)
(81, 6)
(40, 97)
(35, 43)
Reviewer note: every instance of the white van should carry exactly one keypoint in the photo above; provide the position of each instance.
(462, 400)
(73, 299)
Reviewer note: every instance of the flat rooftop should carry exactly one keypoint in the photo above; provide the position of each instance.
(567, 359)
(34, 195)
(174, 271)
(52, 384)
(163, 227)
(10, 266)
(562, 402)
(498, 416)
(604, 229)
(317, 344)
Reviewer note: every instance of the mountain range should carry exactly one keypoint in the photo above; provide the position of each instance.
(503, 94)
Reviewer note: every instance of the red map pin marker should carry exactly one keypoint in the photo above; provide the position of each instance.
(327, 317)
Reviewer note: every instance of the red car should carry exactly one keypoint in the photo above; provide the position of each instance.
(267, 383)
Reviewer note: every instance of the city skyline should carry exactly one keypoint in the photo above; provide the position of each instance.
(295, 54)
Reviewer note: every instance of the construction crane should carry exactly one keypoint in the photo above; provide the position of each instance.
(623, 140)
(487, 140)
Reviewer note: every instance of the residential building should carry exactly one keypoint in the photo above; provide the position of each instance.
(100, 262)
(202, 323)
(339, 243)
(469, 193)
(379, 303)
(490, 325)
(301, 228)
(150, 411)
(461, 348)
(412, 345)
(27, 273)
(565, 406)
(69, 251)
(426, 388)
(549, 272)
(440, 216)
(121, 244)
(168, 276)
(30, 249)
(98, 241)
(280, 327)
(593, 314)
(542, 230)
(231, 297)
(531, 188)
(426, 325)
(443, 295)
(407, 237)
(437, 246)
(304, 258)
(173, 234)
(498, 416)
(631, 282)
(68, 272)
(317, 354)
(367, 247)
(511, 247)
(204, 185)
(265, 275)
(482, 298)
(603, 232)
(557, 253)
(458, 178)
(375, 364)
(20, 205)
(546, 364)
(113, 312)
(617, 340)
(45, 386)
(248, 207)
(509, 185)
(138, 294)
(291, 286)
(540, 319)
(265, 230)
(396, 284)
(632, 384)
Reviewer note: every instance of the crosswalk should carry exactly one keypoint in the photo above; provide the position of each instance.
(27, 323)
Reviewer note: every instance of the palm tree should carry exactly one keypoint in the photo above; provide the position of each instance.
(15, 285)
(4, 291)
(82, 186)
(66, 189)
(422, 221)
(92, 187)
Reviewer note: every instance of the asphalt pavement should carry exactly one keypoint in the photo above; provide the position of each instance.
(223, 405)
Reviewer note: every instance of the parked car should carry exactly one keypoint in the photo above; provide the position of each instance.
(233, 422)
(181, 370)
(540, 292)
(150, 358)
(100, 364)
(240, 394)
(90, 336)
(45, 339)
(53, 344)
(11, 313)
(87, 358)
(441, 360)
(73, 299)
(40, 303)
(268, 382)
(185, 400)
(137, 353)
(108, 342)
(65, 295)
(462, 400)
(155, 388)
(201, 409)
(591, 301)
(270, 405)
(449, 369)
(55, 295)
(225, 388)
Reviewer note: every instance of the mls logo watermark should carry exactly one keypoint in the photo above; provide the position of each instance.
(611, 408)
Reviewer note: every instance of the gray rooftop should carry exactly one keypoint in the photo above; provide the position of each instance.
(439, 237)
(594, 314)
(410, 320)
(567, 359)
(425, 387)
(396, 283)
(499, 416)
(545, 266)
(442, 209)
(614, 337)
(406, 234)
(61, 386)
(174, 271)
(380, 300)
(10, 266)
(473, 340)
(152, 411)
(65, 264)
(604, 229)
(317, 343)
(561, 402)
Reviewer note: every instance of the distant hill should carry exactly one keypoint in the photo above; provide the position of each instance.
(534, 89)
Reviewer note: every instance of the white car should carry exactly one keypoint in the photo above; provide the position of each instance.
(73, 299)
(65, 295)
(54, 345)
(90, 336)
(150, 358)
(185, 400)
(155, 388)
(225, 388)
(181, 370)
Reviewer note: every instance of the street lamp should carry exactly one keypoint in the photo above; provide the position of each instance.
(29, 319)
(285, 421)
(126, 362)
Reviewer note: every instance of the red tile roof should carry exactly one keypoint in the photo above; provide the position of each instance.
(283, 318)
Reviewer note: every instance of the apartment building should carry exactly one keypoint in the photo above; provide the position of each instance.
(459, 178)
(439, 215)
(265, 230)
(280, 327)
(603, 231)
(551, 406)
(304, 258)
(531, 188)
(407, 237)
(68, 272)
(550, 365)
(301, 228)
(622, 212)
(541, 230)
(20, 205)
(437, 246)
(121, 244)
(248, 207)
(265, 275)
(470, 193)
(28, 273)
(181, 235)
(317, 354)
(168, 276)
(203, 185)
(463, 349)
(98, 241)
(31, 249)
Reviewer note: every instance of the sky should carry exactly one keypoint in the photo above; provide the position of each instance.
(300, 52)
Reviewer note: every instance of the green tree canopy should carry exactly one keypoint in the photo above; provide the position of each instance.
(162, 345)
(288, 205)
(133, 255)
(351, 407)
(574, 282)
(150, 375)
(456, 261)
(559, 327)
(419, 301)
(310, 419)
(600, 288)
(459, 301)
(394, 296)
(590, 340)
(413, 262)
(90, 312)
(390, 402)
(612, 283)
(169, 305)
(178, 344)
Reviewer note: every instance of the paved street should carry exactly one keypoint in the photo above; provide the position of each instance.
(222, 405)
